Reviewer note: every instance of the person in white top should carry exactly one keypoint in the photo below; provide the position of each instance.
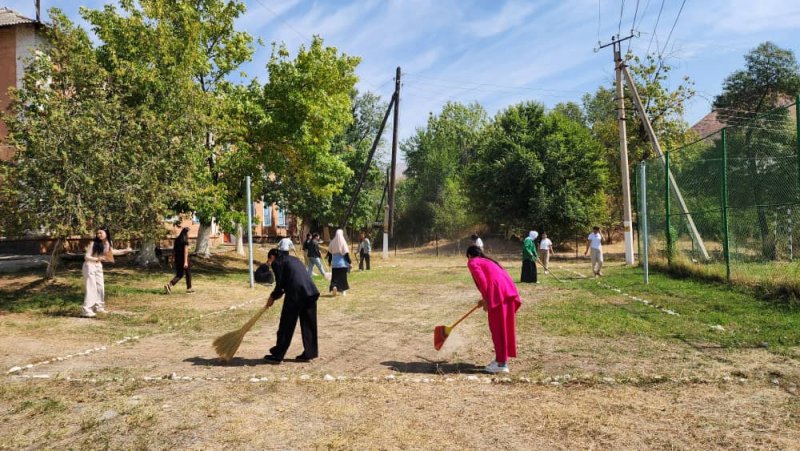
(285, 245)
(99, 250)
(595, 244)
(476, 240)
(545, 249)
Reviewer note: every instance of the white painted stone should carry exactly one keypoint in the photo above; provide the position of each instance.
(329, 378)
(14, 370)
(305, 377)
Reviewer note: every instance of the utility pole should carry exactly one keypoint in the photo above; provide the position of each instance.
(395, 132)
(637, 101)
(623, 148)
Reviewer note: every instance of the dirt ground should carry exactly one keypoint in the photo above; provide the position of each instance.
(147, 377)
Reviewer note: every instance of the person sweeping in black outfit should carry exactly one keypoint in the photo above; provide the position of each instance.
(292, 279)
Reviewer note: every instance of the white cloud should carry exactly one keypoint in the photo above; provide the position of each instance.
(513, 14)
(746, 16)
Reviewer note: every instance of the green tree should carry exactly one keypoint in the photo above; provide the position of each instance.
(771, 76)
(436, 202)
(306, 103)
(538, 169)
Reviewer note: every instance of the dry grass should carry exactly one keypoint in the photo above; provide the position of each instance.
(667, 391)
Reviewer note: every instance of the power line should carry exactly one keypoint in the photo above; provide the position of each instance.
(666, 43)
(655, 28)
(277, 16)
(460, 83)
(621, 10)
(633, 25)
(598, 22)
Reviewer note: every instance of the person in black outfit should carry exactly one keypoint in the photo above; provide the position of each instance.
(292, 279)
(183, 264)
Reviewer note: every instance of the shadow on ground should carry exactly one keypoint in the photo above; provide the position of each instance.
(432, 367)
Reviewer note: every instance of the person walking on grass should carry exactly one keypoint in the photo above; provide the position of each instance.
(300, 302)
(529, 256)
(545, 249)
(285, 245)
(339, 260)
(364, 248)
(305, 248)
(500, 299)
(100, 250)
(595, 244)
(183, 265)
(476, 240)
(314, 256)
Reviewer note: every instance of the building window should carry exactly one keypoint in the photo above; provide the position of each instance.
(267, 214)
(281, 217)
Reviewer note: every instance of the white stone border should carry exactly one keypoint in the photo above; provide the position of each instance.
(550, 381)
(21, 368)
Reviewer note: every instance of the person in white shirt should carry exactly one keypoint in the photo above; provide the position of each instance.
(545, 249)
(595, 243)
(476, 240)
(364, 249)
(285, 245)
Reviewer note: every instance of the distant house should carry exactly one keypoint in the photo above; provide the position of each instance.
(711, 122)
(19, 35)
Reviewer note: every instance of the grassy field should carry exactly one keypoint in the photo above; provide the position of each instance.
(603, 363)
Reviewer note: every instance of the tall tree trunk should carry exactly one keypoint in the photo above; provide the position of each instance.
(55, 258)
(203, 237)
(147, 253)
(239, 239)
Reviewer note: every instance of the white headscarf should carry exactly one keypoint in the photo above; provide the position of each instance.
(338, 244)
(533, 234)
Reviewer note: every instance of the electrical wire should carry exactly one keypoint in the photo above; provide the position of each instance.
(621, 10)
(655, 28)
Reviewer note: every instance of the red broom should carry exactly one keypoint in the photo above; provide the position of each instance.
(440, 333)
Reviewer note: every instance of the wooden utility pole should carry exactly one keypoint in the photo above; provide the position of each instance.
(395, 132)
(623, 148)
(657, 148)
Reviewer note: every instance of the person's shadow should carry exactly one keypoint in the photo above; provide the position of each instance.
(235, 362)
(433, 367)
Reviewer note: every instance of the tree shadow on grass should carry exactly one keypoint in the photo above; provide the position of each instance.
(433, 367)
(55, 299)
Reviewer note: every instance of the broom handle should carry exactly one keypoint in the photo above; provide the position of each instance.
(465, 315)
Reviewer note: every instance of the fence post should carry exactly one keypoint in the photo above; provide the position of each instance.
(797, 144)
(642, 221)
(667, 208)
(726, 248)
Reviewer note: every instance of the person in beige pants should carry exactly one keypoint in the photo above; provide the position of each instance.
(99, 251)
(545, 249)
(595, 243)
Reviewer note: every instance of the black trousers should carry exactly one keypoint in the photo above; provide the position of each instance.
(528, 271)
(179, 272)
(304, 309)
(364, 257)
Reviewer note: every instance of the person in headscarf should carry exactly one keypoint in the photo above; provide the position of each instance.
(339, 260)
(500, 299)
(529, 256)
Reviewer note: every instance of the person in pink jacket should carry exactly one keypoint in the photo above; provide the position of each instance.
(500, 299)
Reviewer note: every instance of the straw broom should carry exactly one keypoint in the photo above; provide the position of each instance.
(227, 344)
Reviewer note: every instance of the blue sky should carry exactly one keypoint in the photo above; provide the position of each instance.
(502, 52)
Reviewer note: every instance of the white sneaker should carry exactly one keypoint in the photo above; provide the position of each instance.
(344, 293)
(88, 314)
(101, 311)
(494, 368)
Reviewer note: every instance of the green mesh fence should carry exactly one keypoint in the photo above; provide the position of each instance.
(728, 205)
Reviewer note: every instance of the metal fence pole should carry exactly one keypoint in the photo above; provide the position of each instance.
(726, 245)
(642, 220)
(797, 144)
(250, 233)
(667, 208)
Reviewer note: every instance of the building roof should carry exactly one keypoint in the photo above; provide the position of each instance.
(712, 123)
(9, 18)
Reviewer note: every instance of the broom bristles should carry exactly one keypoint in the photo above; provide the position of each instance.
(439, 336)
(227, 345)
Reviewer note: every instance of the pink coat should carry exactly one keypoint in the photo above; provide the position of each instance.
(493, 282)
